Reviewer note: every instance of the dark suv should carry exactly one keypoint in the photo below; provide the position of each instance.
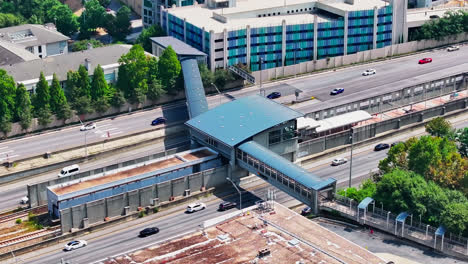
(226, 206)
(381, 146)
(149, 231)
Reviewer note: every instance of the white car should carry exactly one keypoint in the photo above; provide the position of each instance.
(24, 200)
(195, 207)
(339, 161)
(75, 245)
(453, 48)
(369, 72)
(88, 126)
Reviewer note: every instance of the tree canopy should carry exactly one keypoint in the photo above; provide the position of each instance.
(147, 33)
(439, 127)
(169, 69)
(451, 23)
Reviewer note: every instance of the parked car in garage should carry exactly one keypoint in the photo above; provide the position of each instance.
(75, 245)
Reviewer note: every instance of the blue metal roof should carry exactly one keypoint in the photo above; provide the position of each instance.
(194, 91)
(440, 231)
(236, 121)
(284, 166)
(402, 217)
(364, 203)
(180, 47)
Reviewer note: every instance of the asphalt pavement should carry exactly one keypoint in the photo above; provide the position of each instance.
(400, 71)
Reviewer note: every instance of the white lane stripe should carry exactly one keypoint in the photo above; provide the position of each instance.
(3, 147)
(12, 156)
(2, 153)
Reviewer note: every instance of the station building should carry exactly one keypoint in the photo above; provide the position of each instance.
(274, 33)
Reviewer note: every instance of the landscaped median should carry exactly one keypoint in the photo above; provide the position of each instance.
(40, 164)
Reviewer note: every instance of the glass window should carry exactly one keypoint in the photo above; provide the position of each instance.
(289, 132)
(274, 137)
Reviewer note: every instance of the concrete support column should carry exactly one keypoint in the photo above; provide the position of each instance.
(443, 111)
(185, 30)
(316, 37)
(225, 50)
(248, 48)
(167, 23)
(345, 37)
(374, 37)
(212, 51)
(161, 13)
(283, 43)
(203, 39)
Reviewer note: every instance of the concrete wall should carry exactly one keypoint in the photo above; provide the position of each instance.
(37, 193)
(362, 133)
(393, 50)
(113, 206)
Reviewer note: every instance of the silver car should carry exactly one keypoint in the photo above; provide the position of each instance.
(453, 48)
(369, 72)
(339, 161)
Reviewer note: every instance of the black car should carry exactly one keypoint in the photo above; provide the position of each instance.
(381, 146)
(158, 121)
(226, 205)
(396, 143)
(306, 211)
(274, 95)
(149, 231)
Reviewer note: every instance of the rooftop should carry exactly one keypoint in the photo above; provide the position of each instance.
(60, 65)
(233, 122)
(11, 53)
(288, 238)
(342, 120)
(247, 12)
(180, 47)
(29, 35)
(194, 92)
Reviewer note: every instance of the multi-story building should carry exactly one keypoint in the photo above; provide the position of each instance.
(41, 40)
(277, 33)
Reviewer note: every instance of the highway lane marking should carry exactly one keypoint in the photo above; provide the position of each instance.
(10, 151)
(9, 157)
(4, 147)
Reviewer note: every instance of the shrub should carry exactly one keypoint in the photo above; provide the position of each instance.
(18, 221)
(141, 214)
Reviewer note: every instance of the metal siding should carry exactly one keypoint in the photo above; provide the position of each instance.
(194, 91)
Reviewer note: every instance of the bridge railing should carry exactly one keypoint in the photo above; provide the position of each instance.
(413, 229)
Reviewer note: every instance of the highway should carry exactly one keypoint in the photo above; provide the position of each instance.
(390, 73)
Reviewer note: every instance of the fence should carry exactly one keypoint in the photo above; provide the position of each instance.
(416, 231)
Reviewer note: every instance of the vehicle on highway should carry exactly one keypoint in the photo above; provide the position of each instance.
(108, 10)
(88, 126)
(381, 146)
(149, 231)
(158, 121)
(453, 48)
(306, 211)
(24, 200)
(75, 245)
(274, 95)
(69, 170)
(434, 16)
(369, 72)
(195, 207)
(339, 161)
(226, 206)
(337, 91)
(396, 143)
(425, 60)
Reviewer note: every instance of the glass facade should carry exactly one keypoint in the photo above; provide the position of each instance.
(330, 39)
(237, 47)
(384, 27)
(265, 43)
(360, 30)
(299, 43)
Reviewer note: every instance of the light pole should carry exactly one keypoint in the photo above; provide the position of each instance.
(240, 193)
(351, 158)
(219, 93)
(261, 61)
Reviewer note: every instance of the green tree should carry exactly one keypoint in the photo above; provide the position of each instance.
(42, 98)
(72, 91)
(155, 90)
(9, 20)
(169, 69)
(58, 101)
(83, 82)
(206, 75)
(101, 105)
(147, 33)
(122, 23)
(7, 101)
(439, 127)
(44, 116)
(117, 98)
(66, 21)
(424, 153)
(83, 105)
(99, 89)
(222, 77)
(83, 44)
(454, 217)
(133, 71)
(23, 107)
(91, 18)
(463, 142)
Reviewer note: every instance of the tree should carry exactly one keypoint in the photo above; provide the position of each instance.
(147, 33)
(82, 105)
(454, 217)
(463, 142)
(169, 68)
(9, 20)
(121, 24)
(206, 75)
(439, 127)
(222, 77)
(58, 101)
(100, 89)
(7, 101)
(83, 44)
(23, 107)
(43, 116)
(66, 21)
(72, 91)
(91, 18)
(396, 159)
(155, 90)
(133, 71)
(117, 98)
(101, 105)
(83, 83)
(42, 98)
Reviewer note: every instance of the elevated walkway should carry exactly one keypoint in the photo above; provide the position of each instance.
(283, 174)
(194, 91)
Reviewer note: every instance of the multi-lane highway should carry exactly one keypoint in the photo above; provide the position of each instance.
(390, 73)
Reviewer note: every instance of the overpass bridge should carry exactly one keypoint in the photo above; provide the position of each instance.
(254, 135)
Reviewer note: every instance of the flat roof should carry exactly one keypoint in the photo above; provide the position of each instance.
(342, 120)
(140, 171)
(11, 53)
(180, 47)
(307, 123)
(29, 35)
(284, 166)
(235, 121)
(358, 4)
(238, 238)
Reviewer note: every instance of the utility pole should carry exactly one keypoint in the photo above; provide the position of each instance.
(240, 193)
(351, 158)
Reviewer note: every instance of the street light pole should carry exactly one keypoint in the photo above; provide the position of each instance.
(351, 158)
(240, 193)
(261, 62)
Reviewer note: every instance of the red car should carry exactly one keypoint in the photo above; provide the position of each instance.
(425, 60)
